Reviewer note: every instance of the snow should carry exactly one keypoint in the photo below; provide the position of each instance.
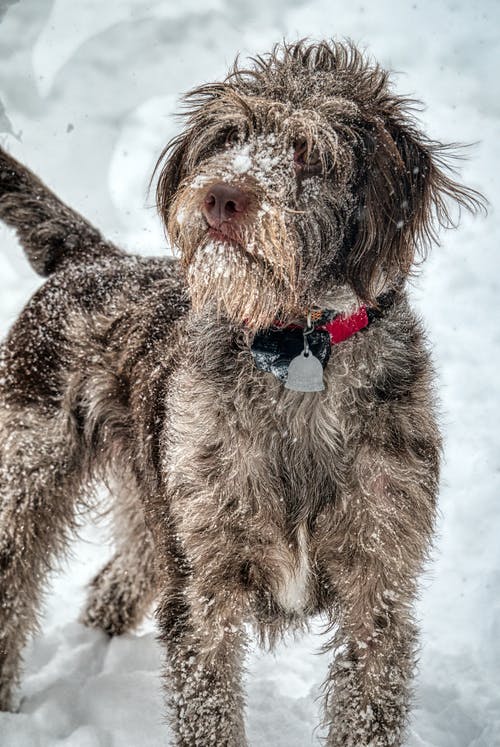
(242, 162)
(90, 91)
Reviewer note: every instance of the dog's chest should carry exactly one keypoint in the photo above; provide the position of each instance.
(293, 576)
(294, 451)
(261, 463)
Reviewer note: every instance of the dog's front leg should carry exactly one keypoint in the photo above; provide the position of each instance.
(368, 684)
(200, 620)
(204, 646)
(386, 524)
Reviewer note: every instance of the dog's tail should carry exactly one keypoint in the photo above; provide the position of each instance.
(52, 234)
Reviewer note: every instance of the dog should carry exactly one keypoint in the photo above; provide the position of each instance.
(262, 408)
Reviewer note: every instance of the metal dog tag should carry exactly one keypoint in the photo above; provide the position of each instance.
(305, 374)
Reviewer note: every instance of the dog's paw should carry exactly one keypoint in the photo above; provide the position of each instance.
(115, 603)
(107, 612)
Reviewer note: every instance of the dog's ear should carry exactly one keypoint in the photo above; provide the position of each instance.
(179, 155)
(406, 193)
(172, 169)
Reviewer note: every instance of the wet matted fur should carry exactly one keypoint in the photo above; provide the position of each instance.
(300, 182)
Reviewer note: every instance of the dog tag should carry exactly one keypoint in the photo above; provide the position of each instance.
(305, 374)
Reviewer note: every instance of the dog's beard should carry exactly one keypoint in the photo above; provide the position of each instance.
(243, 288)
(251, 278)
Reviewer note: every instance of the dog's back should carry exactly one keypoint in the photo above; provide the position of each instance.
(91, 317)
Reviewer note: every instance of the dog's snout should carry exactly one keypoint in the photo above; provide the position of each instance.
(224, 203)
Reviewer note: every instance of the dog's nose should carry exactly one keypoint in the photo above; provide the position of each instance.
(224, 203)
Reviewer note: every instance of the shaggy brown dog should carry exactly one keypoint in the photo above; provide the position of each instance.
(298, 194)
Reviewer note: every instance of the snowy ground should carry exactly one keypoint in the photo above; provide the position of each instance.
(89, 89)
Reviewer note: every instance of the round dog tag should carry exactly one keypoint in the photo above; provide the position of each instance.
(305, 374)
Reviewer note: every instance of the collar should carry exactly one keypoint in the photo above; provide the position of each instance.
(338, 326)
(274, 349)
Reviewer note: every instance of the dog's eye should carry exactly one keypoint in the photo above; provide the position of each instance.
(306, 160)
(232, 137)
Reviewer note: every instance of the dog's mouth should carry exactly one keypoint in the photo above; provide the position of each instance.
(241, 268)
(224, 235)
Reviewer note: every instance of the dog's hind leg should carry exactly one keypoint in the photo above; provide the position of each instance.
(40, 480)
(121, 593)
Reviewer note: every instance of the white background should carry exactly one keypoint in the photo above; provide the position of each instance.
(89, 90)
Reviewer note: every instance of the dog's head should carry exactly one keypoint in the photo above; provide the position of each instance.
(301, 181)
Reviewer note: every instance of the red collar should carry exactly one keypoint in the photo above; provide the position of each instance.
(341, 327)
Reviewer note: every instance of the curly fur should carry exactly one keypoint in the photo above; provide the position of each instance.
(237, 500)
